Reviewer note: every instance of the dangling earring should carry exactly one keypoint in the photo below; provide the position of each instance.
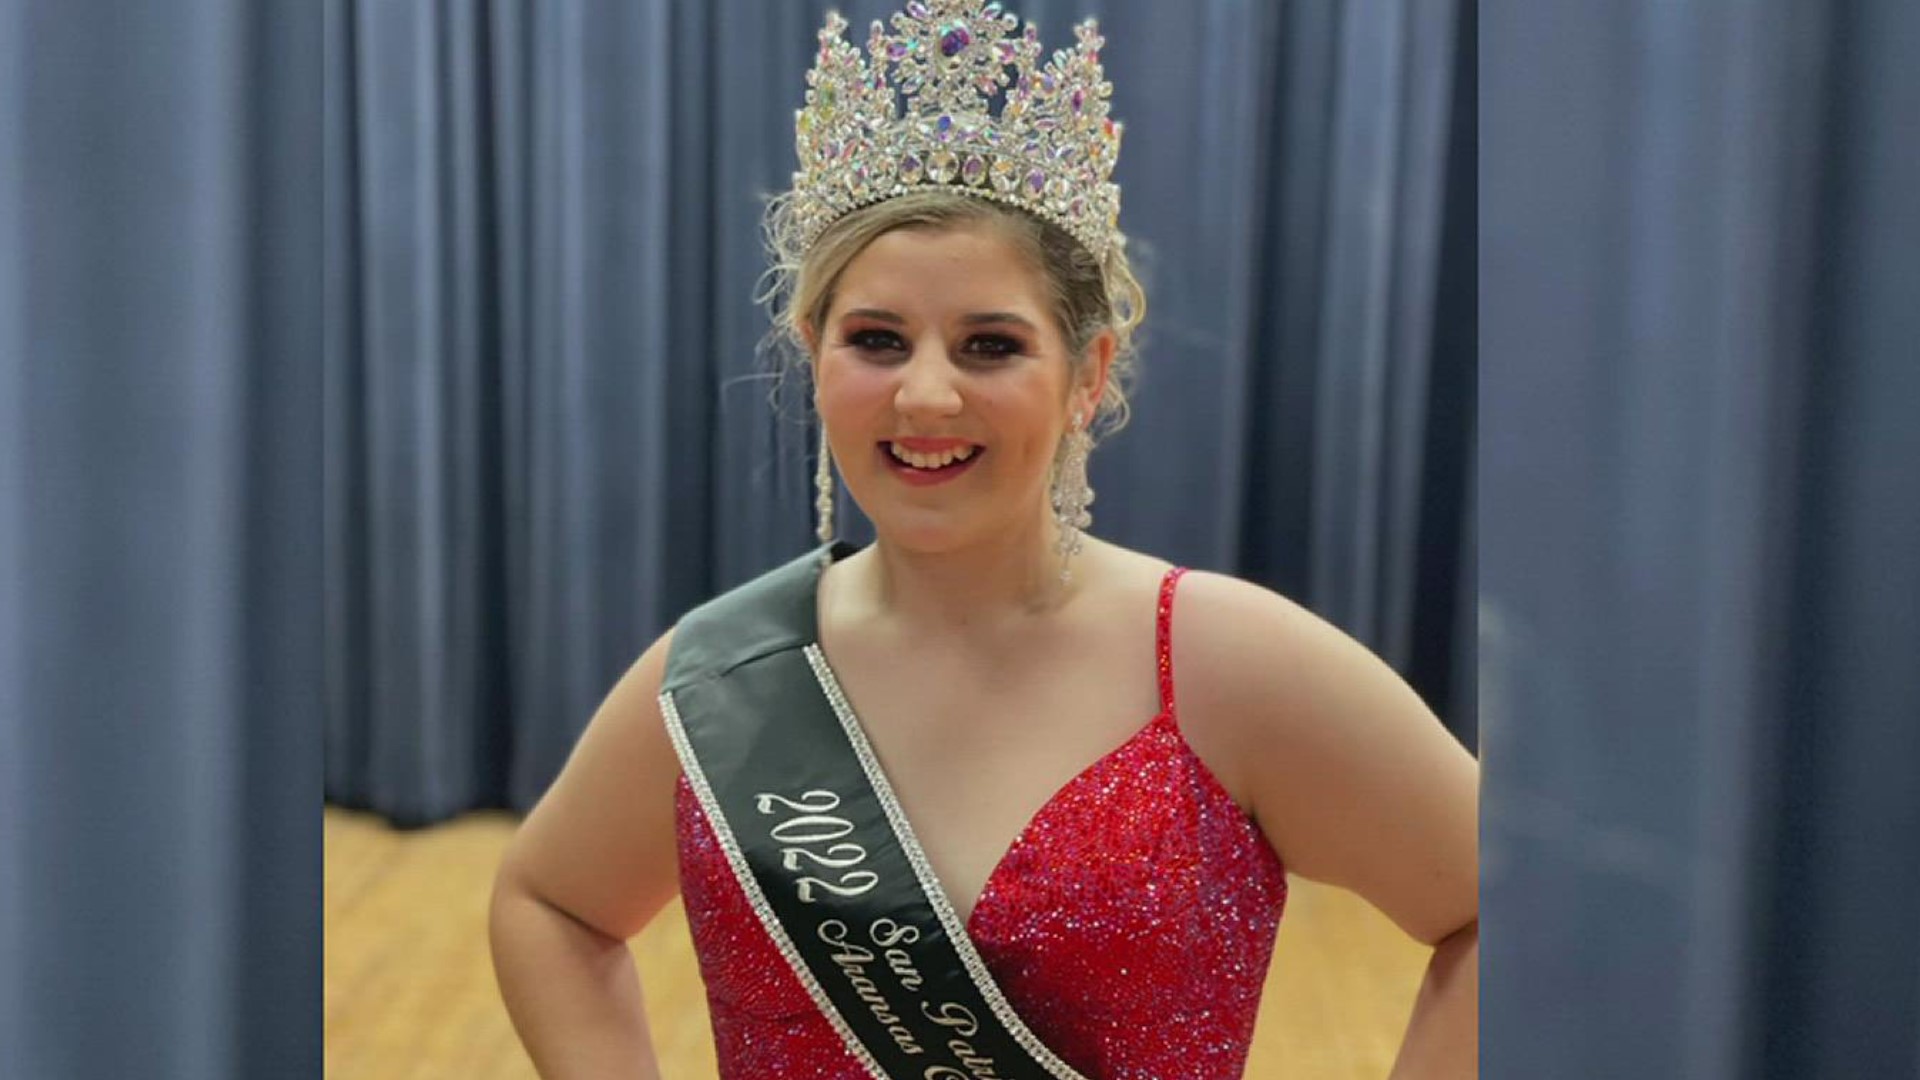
(823, 492)
(1072, 495)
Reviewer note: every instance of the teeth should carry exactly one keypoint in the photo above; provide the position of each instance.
(929, 461)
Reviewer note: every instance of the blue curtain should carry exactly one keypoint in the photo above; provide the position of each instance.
(159, 538)
(1700, 539)
(377, 378)
(548, 432)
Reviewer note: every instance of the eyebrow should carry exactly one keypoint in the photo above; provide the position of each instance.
(976, 319)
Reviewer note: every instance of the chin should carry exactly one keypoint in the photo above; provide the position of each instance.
(922, 537)
(911, 525)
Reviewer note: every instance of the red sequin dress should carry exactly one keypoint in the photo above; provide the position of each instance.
(1130, 924)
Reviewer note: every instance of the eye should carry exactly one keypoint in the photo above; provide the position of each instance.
(875, 341)
(979, 346)
(995, 346)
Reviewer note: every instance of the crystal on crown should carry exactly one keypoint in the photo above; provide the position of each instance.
(916, 112)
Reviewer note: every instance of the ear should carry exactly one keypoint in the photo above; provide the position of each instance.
(811, 339)
(1091, 384)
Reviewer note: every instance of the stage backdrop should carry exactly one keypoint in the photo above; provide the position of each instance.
(548, 431)
(1700, 539)
(159, 540)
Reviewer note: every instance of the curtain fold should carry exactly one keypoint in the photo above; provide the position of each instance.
(159, 521)
(1698, 538)
(551, 429)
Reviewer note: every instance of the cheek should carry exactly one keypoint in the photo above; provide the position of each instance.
(850, 390)
(1022, 421)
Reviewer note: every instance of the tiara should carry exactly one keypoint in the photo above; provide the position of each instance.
(1050, 149)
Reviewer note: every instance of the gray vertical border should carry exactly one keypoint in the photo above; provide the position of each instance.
(13, 498)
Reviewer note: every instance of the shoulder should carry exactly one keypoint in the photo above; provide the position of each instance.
(772, 612)
(1350, 776)
(1242, 642)
(1262, 666)
(1248, 663)
(1236, 640)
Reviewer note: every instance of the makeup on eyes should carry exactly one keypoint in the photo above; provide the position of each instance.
(873, 339)
(977, 318)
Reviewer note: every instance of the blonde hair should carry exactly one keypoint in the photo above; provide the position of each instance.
(1089, 295)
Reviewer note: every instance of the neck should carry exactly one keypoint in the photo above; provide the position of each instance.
(1008, 576)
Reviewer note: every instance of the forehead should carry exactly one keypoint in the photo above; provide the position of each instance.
(971, 268)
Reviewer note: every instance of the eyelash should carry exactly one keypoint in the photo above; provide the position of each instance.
(862, 340)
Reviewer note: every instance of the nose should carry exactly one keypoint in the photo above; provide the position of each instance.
(927, 384)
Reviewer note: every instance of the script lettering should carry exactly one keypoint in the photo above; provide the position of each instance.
(954, 1015)
(809, 835)
(888, 935)
(852, 958)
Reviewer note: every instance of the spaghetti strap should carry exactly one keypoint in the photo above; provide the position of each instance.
(1163, 640)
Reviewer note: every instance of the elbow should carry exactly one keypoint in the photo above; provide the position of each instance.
(512, 902)
(507, 886)
(1464, 937)
(507, 895)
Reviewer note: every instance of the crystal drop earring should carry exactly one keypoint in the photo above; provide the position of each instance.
(1072, 496)
(823, 492)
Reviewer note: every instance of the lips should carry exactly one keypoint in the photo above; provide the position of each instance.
(925, 456)
(924, 462)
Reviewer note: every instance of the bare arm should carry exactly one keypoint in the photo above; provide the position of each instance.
(590, 866)
(1353, 781)
(1443, 1038)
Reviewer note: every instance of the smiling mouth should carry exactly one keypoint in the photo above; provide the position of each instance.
(937, 462)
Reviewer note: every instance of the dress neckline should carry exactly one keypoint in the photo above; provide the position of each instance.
(837, 693)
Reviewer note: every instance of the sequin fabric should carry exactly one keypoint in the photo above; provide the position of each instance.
(1130, 924)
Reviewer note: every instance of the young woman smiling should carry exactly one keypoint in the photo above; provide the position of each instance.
(991, 796)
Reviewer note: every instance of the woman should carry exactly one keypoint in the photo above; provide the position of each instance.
(907, 792)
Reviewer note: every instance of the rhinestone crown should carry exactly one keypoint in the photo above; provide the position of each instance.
(1050, 150)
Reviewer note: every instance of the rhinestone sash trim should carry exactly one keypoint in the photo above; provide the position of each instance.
(737, 860)
(929, 881)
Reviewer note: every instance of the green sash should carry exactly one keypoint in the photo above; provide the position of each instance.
(814, 835)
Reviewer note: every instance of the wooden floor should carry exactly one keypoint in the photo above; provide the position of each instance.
(410, 992)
